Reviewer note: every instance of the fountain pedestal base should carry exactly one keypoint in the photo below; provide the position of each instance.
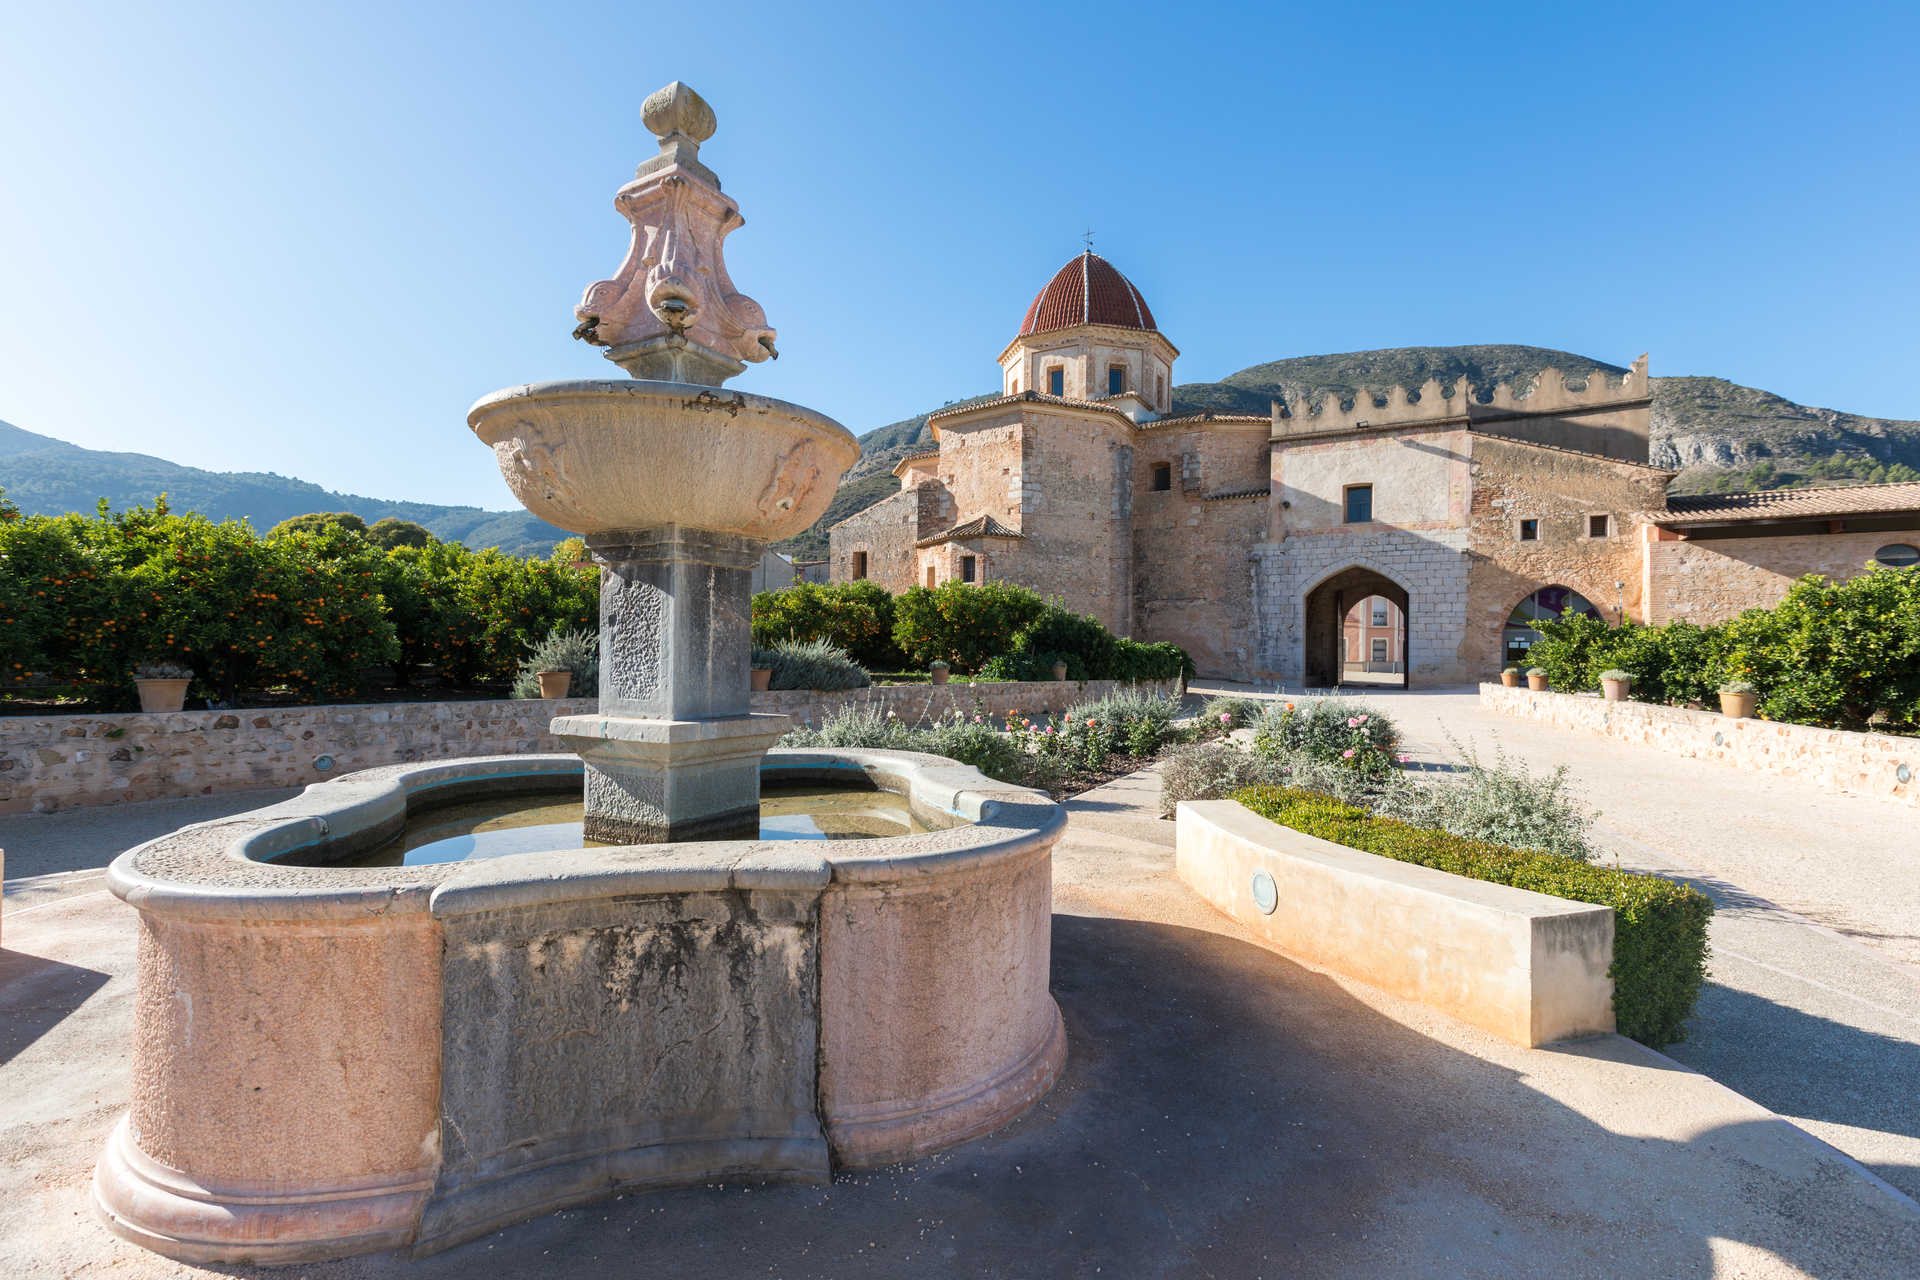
(650, 781)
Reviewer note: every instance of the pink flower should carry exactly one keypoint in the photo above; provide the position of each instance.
(1226, 717)
(1361, 720)
(1352, 723)
(1404, 759)
(1347, 754)
(1089, 724)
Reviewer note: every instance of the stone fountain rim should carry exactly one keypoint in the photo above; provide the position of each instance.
(214, 869)
(600, 389)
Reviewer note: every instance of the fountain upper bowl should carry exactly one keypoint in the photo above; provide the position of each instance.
(598, 455)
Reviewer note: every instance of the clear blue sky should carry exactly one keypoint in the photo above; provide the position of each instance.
(304, 237)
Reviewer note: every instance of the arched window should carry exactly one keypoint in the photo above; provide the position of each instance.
(1548, 602)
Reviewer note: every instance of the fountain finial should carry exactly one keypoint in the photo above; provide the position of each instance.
(671, 313)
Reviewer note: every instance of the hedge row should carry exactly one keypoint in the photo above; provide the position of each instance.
(1660, 925)
(85, 600)
(1834, 654)
(993, 629)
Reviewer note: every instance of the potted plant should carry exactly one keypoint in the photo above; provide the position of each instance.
(937, 671)
(760, 673)
(1537, 679)
(1615, 683)
(162, 685)
(554, 683)
(1510, 677)
(1059, 670)
(1737, 698)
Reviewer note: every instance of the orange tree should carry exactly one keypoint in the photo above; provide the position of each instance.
(963, 624)
(857, 616)
(515, 603)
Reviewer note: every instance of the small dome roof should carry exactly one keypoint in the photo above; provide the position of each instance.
(1088, 290)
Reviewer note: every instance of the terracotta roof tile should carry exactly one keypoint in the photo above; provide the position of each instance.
(1088, 290)
(1257, 491)
(1031, 397)
(978, 527)
(1790, 504)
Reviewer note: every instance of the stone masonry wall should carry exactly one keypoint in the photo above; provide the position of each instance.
(1430, 565)
(49, 763)
(1711, 580)
(1871, 764)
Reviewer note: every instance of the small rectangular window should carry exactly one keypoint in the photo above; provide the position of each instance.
(966, 568)
(930, 575)
(1379, 650)
(1379, 615)
(1359, 503)
(859, 565)
(1056, 382)
(1596, 526)
(1529, 531)
(1160, 389)
(1116, 379)
(1163, 476)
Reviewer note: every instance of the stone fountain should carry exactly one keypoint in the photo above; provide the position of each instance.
(676, 489)
(335, 1056)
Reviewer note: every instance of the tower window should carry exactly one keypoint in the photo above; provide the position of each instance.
(1529, 531)
(967, 568)
(1116, 379)
(1162, 476)
(1056, 381)
(1160, 389)
(1359, 504)
(1596, 526)
(859, 565)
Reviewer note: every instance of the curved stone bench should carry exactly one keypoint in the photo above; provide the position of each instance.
(333, 1060)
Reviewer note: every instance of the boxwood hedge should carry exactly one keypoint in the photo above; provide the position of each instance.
(1659, 929)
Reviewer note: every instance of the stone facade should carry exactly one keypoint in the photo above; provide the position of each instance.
(1246, 539)
(49, 763)
(1869, 764)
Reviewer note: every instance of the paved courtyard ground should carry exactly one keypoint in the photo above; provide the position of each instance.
(1225, 1112)
(1814, 1005)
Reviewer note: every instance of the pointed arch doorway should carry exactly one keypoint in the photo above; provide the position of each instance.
(1327, 606)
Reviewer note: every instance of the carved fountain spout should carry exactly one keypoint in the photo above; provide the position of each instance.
(676, 489)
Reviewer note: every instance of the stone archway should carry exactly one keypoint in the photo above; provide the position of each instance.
(1326, 611)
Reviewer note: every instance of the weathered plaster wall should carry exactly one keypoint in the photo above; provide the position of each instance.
(1561, 490)
(1076, 508)
(1711, 580)
(59, 762)
(1865, 763)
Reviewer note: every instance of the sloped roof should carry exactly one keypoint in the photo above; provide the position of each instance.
(1791, 504)
(978, 527)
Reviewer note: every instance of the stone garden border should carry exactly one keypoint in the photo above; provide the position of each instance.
(1530, 968)
(1870, 764)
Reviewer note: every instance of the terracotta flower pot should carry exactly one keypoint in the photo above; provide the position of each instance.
(162, 695)
(1537, 683)
(1738, 705)
(937, 674)
(1511, 679)
(759, 678)
(1059, 671)
(554, 684)
(1616, 690)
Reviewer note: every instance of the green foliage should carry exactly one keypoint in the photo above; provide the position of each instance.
(1330, 731)
(1502, 803)
(1834, 654)
(391, 532)
(305, 610)
(1140, 721)
(964, 624)
(576, 650)
(856, 616)
(1739, 686)
(970, 740)
(1230, 712)
(1660, 925)
(1671, 663)
(811, 664)
(320, 522)
(1213, 771)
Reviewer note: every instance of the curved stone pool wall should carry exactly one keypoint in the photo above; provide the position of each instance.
(331, 1060)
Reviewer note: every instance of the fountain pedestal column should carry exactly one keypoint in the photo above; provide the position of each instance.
(674, 753)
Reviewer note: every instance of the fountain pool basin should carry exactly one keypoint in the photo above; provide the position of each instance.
(337, 1059)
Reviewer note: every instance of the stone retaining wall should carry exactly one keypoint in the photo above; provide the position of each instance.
(1873, 764)
(58, 762)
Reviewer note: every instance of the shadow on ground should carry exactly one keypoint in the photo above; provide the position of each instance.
(1227, 1113)
(38, 994)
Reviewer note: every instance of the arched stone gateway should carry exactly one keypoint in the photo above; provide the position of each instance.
(1326, 610)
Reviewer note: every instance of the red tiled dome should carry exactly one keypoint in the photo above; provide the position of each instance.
(1087, 290)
